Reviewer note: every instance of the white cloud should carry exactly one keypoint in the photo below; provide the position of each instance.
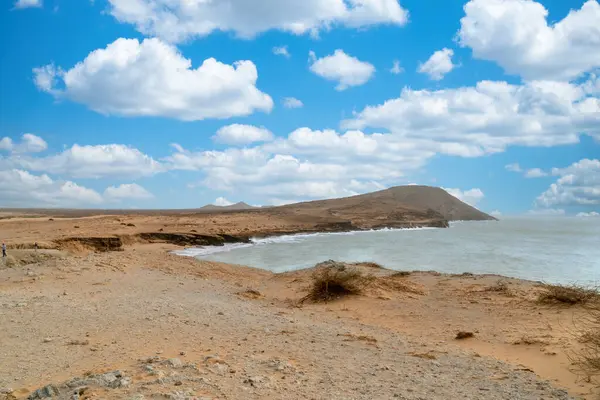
(348, 71)
(496, 213)
(513, 167)
(396, 68)
(29, 144)
(592, 214)
(127, 191)
(308, 164)
(152, 78)
(579, 184)
(535, 173)
(94, 162)
(180, 20)
(282, 51)
(237, 134)
(6, 144)
(23, 189)
(222, 202)
(487, 118)
(438, 65)
(516, 35)
(529, 173)
(28, 3)
(292, 102)
(547, 212)
(471, 197)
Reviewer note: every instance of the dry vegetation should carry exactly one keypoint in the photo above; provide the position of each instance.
(587, 360)
(336, 281)
(568, 295)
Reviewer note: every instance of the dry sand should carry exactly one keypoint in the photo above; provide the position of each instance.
(181, 328)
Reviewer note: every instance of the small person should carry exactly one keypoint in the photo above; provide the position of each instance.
(35, 246)
(3, 250)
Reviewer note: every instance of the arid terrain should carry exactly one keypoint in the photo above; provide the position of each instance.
(104, 310)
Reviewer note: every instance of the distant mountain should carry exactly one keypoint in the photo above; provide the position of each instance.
(401, 203)
(237, 206)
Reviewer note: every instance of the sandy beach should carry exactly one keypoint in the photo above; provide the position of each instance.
(177, 327)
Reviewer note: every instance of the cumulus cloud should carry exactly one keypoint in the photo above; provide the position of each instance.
(97, 161)
(152, 78)
(237, 134)
(578, 184)
(29, 144)
(471, 197)
(282, 51)
(496, 213)
(438, 65)
(516, 35)
(515, 167)
(396, 68)
(292, 102)
(308, 164)
(127, 191)
(28, 3)
(591, 214)
(23, 189)
(180, 20)
(487, 118)
(527, 173)
(535, 173)
(348, 71)
(222, 202)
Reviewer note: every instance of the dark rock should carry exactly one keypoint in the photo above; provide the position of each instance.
(44, 393)
(99, 244)
(464, 335)
(191, 239)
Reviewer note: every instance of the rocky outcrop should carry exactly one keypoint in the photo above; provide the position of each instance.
(191, 239)
(91, 243)
(335, 227)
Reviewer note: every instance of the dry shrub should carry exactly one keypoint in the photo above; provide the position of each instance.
(335, 281)
(587, 360)
(30, 246)
(401, 274)
(251, 294)
(568, 295)
(464, 335)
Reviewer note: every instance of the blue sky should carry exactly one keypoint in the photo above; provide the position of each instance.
(176, 104)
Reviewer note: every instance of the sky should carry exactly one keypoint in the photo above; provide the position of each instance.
(181, 103)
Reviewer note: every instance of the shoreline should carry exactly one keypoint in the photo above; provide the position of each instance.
(273, 238)
(238, 331)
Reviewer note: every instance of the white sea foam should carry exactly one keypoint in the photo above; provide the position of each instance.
(294, 238)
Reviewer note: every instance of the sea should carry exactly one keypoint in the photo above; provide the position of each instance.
(562, 250)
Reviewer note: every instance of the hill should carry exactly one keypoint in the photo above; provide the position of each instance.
(396, 203)
(233, 207)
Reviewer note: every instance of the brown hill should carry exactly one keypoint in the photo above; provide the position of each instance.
(399, 203)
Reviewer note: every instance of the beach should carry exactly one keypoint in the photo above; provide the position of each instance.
(179, 327)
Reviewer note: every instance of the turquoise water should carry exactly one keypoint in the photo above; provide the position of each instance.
(560, 250)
